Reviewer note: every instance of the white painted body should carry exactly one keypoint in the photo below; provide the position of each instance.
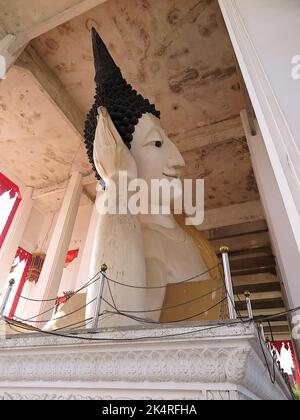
(148, 250)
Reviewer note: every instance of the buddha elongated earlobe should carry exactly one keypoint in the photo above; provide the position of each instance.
(124, 104)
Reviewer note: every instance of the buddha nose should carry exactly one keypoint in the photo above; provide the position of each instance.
(175, 158)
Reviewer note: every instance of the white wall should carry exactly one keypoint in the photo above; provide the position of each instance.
(265, 36)
(276, 25)
(33, 234)
(284, 245)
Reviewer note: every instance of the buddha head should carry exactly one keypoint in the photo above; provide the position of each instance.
(135, 118)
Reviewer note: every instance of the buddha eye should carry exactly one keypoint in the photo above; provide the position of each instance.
(154, 143)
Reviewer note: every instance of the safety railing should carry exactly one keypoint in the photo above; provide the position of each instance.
(93, 323)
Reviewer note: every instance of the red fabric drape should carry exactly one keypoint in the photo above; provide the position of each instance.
(23, 255)
(63, 299)
(7, 185)
(287, 344)
(71, 255)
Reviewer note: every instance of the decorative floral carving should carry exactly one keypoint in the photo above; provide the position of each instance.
(29, 396)
(231, 361)
(218, 395)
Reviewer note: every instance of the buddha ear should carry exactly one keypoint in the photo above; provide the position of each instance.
(110, 154)
(104, 144)
(108, 127)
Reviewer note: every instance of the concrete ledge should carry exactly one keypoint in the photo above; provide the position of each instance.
(186, 362)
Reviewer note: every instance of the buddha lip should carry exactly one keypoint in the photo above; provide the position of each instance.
(170, 176)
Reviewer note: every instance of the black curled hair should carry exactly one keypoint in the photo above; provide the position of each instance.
(124, 105)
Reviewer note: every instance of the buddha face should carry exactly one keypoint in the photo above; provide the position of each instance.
(155, 155)
(156, 158)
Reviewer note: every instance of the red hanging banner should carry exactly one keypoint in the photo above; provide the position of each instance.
(8, 186)
(71, 255)
(288, 344)
(23, 256)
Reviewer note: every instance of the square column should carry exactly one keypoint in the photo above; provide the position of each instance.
(50, 277)
(84, 274)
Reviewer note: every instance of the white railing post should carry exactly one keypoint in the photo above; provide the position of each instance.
(99, 296)
(6, 297)
(249, 305)
(228, 282)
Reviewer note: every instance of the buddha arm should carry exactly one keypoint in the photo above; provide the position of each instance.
(118, 238)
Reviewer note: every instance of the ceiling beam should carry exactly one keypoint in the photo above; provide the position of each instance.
(258, 296)
(261, 304)
(255, 270)
(258, 288)
(245, 281)
(53, 88)
(232, 215)
(60, 187)
(51, 22)
(277, 329)
(214, 133)
(249, 262)
(252, 226)
(251, 244)
(249, 250)
(267, 312)
(18, 40)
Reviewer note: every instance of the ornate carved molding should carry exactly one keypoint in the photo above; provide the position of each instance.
(30, 396)
(215, 365)
(206, 365)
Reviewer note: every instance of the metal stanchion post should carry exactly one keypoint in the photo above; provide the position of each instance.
(99, 296)
(248, 302)
(228, 282)
(6, 297)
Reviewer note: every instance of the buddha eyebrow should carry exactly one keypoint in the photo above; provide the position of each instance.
(158, 130)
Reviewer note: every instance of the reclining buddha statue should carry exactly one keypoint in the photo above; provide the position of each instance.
(150, 252)
(148, 256)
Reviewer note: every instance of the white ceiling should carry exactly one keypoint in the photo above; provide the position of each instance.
(36, 143)
(177, 53)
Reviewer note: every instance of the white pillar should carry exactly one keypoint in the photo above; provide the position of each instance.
(50, 277)
(265, 36)
(84, 268)
(14, 236)
(281, 231)
(285, 246)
